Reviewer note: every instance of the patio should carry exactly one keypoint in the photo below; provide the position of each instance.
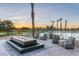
(49, 50)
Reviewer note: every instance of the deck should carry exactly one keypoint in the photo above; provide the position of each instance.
(49, 50)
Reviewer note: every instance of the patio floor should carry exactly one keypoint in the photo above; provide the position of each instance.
(49, 50)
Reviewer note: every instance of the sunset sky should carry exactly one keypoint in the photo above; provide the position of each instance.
(20, 13)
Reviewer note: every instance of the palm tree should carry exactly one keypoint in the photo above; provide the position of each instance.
(65, 27)
(57, 26)
(52, 27)
(32, 16)
(60, 26)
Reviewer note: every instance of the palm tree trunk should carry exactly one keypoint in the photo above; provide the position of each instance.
(57, 26)
(53, 25)
(60, 26)
(32, 16)
(65, 27)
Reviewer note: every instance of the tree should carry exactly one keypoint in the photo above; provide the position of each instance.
(57, 26)
(47, 27)
(60, 26)
(6, 25)
(32, 16)
(52, 26)
(60, 23)
(65, 27)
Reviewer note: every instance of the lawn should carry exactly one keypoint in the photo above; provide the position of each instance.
(22, 32)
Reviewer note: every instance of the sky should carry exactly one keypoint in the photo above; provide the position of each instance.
(20, 13)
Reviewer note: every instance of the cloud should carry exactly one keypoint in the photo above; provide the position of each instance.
(17, 17)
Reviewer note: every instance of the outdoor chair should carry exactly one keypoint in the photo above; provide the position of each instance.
(70, 43)
(61, 42)
(37, 35)
(55, 39)
(44, 36)
(51, 35)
